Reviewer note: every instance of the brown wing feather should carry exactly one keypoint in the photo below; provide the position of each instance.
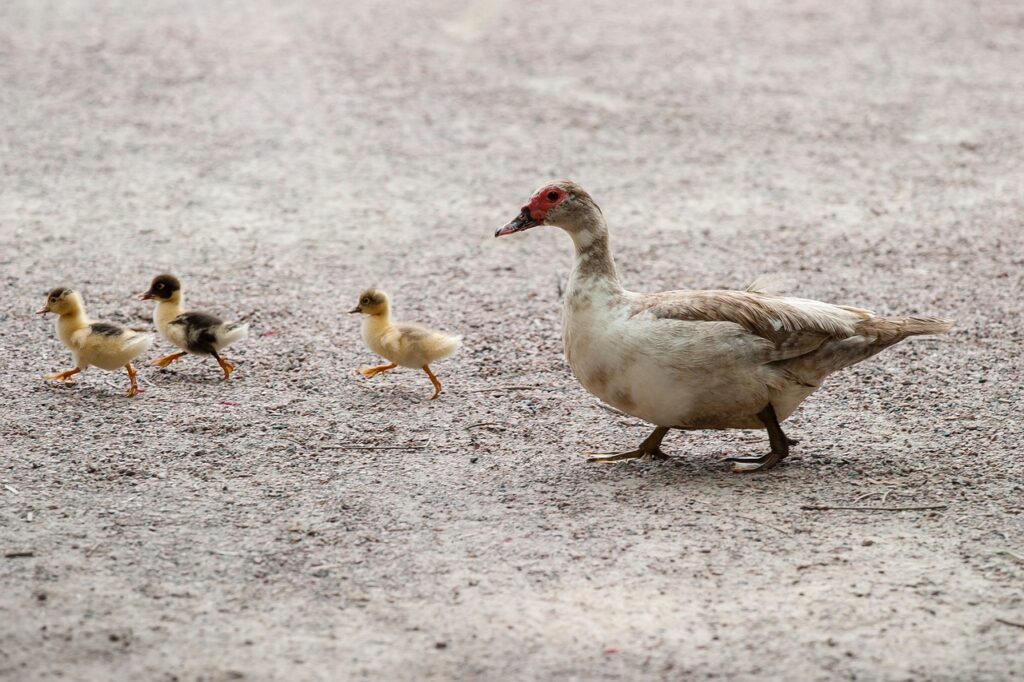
(771, 317)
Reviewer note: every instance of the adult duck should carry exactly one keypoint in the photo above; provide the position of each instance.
(700, 359)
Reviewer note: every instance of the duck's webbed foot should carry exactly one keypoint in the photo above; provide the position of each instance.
(167, 359)
(434, 380)
(780, 446)
(651, 447)
(369, 372)
(132, 374)
(225, 366)
(62, 376)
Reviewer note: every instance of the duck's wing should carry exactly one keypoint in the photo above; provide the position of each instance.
(99, 332)
(199, 331)
(792, 326)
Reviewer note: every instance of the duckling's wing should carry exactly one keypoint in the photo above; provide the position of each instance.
(428, 343)
(97, 332)
(199, 331)
(106, 329)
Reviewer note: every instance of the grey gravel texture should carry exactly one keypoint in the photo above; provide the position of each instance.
(280, 157)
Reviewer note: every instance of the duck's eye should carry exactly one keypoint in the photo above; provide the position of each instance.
(552, 196)
(365, 301)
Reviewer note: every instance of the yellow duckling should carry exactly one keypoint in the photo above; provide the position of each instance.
(192, 331)
(103, 344)
(405, 344)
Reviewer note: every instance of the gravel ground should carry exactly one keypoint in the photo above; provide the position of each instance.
(280, 157)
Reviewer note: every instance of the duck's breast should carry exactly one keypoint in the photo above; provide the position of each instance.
(678, 373)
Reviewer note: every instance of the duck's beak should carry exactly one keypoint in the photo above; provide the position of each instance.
(146, 296)
(523, 221)
(357, 309)
(42, 311)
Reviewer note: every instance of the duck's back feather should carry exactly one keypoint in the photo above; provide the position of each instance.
(768, 316)
(203, 333)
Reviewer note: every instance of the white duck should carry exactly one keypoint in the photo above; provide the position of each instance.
(102, 344)
(698, 359)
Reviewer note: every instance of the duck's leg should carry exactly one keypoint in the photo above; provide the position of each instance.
(651, 447)
(131, 377)
(224, 365)
(374, 371)
(779, 442)
(62, 376)
(433, 380)
(167, 359)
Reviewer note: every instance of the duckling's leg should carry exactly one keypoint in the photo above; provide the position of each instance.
(167, 359)
(131, 377)
(224, 365)
(780, 445)
(433, 380)
(62, 376)
(651, 447)
(374, 371)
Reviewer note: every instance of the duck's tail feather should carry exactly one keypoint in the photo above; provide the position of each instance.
(890, 330)
(138, 344)
(232, 332)
(446, 346)
(873, 336)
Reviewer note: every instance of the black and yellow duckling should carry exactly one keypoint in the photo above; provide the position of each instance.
(192, 331)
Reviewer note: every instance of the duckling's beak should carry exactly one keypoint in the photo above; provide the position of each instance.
(42, 311)
(146, 296)
(357, 309)
(523, 221)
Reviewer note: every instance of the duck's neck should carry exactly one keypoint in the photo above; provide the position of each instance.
(168, 310)
(594, 262)
(378, 324)
(70, 323)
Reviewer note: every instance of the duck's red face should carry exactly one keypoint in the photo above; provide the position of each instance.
(536, 211)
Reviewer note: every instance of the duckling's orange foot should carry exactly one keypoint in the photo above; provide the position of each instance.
(370, 372)
(225, 366)
(434, 380)
(62, 376)
(132, 376)
(167, 359)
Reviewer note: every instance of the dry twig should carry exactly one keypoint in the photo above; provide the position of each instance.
(1010, 622)
(814, 507)
(508, 388)
(493, 425)
(373, 447)
(762, 523)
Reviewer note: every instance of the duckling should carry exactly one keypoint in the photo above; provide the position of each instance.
(192, 331)
(103, 344)
(403, 343)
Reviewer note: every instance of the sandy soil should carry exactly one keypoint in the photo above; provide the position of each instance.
(279, 159)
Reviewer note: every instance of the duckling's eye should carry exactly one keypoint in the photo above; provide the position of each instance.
(552, 196)
(365, 301)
